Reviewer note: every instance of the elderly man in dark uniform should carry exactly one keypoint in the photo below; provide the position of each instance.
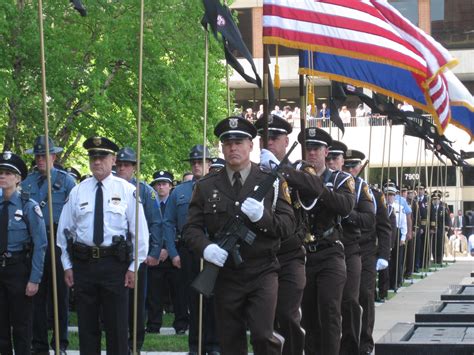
(245, 295)
(360, 221)
(22, 249)
(439, 223)
(327, 196)
(291, 277)
(37, 188)
(126, 165)
(97, 255)
(421, 219)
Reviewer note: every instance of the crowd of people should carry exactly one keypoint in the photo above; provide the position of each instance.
(299, 271)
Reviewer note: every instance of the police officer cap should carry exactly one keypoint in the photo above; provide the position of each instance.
(420, 186)
(197, 153)
(390, 188)
(353, 158)
(74, 173)
(39, 147)
(100, 146)
(276, 126)
(127, 154)
(235, 128)
(217, 163)
(162, 175)
(315, 137)
(337, 148)
(436, 194)
(12, 162)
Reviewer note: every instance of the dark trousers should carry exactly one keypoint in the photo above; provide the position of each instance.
(161, 279)
(291, 283)
(366, 295)
(321, 305)
(100, 285)
(420, 249)
(15, 309)
(190, 269)
(437, 245)
(350, 308)
(43, 299)
(141, 298)
(410, 245)
(247, 297)
(395, 266)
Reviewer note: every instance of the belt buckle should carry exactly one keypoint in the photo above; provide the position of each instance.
(312, 248)
(95, 253)
(42, 204)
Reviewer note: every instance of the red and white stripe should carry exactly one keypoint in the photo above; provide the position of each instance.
(369, 29)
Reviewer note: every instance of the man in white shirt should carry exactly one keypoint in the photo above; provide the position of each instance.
(96, 234)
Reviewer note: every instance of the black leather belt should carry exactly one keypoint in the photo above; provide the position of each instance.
(84, 252)
(318, 246)
(10, 258)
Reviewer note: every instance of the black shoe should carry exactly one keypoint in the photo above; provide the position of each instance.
(193, 353)
(213, 353)
(153, 330)
(62, 352)
(181, 332)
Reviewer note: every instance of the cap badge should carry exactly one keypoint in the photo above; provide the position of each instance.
(97, 141)
(270, 119)
(7, 155)
(312, 132)
(220, 21)
(39, 146)
(233, 122)
(161, 173)
(349, 153)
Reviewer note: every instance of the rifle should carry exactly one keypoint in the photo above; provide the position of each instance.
(363, 168)
(235, 231)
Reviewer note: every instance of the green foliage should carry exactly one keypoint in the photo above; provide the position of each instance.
(92, 77)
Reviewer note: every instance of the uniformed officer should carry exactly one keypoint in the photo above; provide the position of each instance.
(22, 250)
(37, 187)
(439, 223)
(76, 175)
(360, 220)
(97, 256)
(245, 295)
(327, 196)
(422, 211)
(187, 261)
(291, 277)
(163, 278)
(375, 253)
(407, 193)
(126, 164)
(216, 164)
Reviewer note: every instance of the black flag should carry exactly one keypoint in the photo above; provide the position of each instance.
(220, 19)
(336, 100)
(79, 7)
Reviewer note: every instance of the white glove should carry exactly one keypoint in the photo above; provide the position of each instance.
(265, 157)
(382, 264)
(215, 254)
(253, 209)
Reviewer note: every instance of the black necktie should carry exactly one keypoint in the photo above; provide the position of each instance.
(4, 228)
(162, 208)
(99, 215)
(237, 184)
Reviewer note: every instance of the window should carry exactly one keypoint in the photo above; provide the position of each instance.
(452, 23)
(408, 8)
(244, 23)
(413, 176)
(468, 176)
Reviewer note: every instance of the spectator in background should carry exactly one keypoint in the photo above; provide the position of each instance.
(345, 115)
(296, 113)
(407, 107)
(287, 114)
(277, 111)
(324, 112)
(362, 115)
(260, 112)
(187, 176)
(249, 115)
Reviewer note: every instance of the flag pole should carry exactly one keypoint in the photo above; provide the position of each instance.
(445, 209)
(413, 203)
(266, 113)
(52, 245)
(405, 249)
(367, 169)
(139, 149)
(383, 152)
(302, 115)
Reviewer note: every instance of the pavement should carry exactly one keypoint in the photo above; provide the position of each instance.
(401, 308)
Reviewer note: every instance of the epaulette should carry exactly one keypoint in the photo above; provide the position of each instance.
(339, 178)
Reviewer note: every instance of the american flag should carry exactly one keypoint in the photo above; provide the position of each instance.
(371, 30)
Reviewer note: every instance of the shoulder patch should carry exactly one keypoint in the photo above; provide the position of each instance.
(153, 195)
(37, 210)
(286, 191)
(135, 196)
(350, 184)
(366, 191)
(310, 170)
(382, 198)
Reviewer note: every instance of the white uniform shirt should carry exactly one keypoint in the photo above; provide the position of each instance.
(119, 216)
(401, 219)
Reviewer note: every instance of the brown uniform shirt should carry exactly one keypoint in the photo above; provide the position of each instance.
(214, 202)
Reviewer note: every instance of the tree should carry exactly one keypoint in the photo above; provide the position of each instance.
(92, 77)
